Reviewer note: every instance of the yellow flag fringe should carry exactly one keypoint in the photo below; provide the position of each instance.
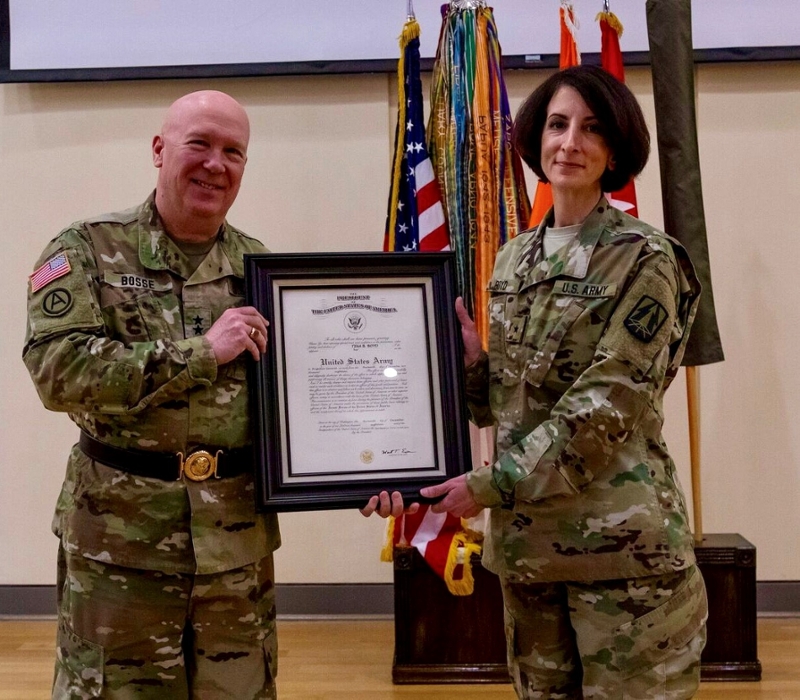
(387, 553)
(613, 21)
(463, 546)
(410, 32)
(474, 534)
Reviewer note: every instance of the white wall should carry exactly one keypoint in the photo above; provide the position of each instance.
(317, 180)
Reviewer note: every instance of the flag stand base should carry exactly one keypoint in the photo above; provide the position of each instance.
(728, 565)
(443, 638)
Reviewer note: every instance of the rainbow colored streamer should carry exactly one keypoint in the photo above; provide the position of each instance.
(469, 133)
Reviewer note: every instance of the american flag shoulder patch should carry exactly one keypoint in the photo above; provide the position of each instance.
(55, 267)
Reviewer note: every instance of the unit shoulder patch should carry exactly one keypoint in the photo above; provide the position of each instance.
(645, 319)
(57, 302)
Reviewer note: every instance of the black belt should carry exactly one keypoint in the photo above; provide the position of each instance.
(198, 465)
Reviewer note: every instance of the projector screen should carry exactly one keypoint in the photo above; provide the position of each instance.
(47, 40)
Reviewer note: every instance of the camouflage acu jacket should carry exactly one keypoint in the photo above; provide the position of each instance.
(582, 347)
(118, 343)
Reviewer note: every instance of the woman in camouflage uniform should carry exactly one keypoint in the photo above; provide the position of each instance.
(589, 317)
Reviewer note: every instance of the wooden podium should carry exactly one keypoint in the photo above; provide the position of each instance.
(442, 638)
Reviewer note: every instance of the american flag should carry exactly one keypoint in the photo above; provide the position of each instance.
(54, 268)
(415, 220)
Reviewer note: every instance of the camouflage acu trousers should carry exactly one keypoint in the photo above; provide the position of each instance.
(637, 639)
(125, 633)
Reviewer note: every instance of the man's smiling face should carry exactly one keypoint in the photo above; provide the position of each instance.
(201, 154)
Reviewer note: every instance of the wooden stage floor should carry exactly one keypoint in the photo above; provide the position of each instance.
(352, 660)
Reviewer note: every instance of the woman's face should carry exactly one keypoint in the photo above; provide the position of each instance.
(574, 152)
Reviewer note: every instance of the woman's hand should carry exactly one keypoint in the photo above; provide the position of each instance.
(385, 505)
(458, 499)
(469, 334)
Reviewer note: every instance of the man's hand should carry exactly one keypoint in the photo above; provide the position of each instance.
(469, 334)
(237, 330)
(457, 499)
(385, 505)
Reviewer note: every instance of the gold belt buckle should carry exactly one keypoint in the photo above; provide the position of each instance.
(199, 465)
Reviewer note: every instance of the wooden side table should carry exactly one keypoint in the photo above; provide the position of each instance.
(728, 565)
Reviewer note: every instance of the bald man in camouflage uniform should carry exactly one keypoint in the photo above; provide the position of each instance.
(587, 515)
(138, 329)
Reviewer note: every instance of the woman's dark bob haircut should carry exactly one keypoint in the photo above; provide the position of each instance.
(616, 109)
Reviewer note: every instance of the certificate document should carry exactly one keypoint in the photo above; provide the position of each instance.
(362, 386)
(358, 376)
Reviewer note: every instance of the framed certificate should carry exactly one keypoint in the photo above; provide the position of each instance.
(361, 387)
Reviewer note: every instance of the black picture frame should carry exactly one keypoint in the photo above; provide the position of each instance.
(329, 432)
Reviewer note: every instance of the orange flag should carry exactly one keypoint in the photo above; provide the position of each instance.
(611, 60)
(569, 56)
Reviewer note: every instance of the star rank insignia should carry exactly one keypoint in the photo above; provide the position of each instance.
(516, 329)
(645, 319)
